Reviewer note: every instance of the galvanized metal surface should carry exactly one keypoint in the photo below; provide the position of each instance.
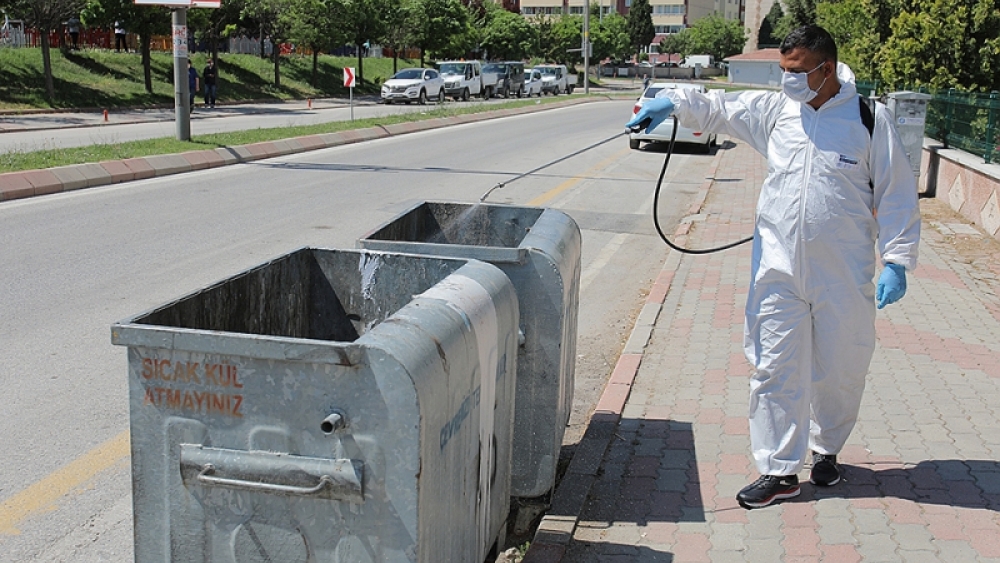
(539, 250)
(329, 405)
(909, 113)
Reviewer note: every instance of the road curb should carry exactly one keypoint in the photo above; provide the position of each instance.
(31, 183)
(556, 528)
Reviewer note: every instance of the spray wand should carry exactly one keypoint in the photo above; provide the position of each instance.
(544, 166)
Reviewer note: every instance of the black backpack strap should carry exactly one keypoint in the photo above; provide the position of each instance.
(868, 118)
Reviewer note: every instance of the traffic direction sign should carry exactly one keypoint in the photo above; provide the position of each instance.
(348, 77)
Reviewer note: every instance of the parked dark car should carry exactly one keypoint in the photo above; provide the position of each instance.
(510, 77)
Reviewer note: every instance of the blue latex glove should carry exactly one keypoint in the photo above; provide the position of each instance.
(891, 285)
(656, 110)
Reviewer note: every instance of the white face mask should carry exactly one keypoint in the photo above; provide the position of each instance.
(795, 85)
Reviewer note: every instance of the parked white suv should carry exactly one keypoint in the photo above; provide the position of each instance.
(555, 79)
(413, 85)
(462, 79)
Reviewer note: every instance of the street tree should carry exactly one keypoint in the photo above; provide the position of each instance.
(797, 14)
(211, 24)
(766, 35)
(312, 23)
(640, 26)
(610, 37)
(399, 28)
(365, 25)
(715, 35)
(268, 16)
(943, 44)
(849, 22)
(677, 43)
(143, 20)
(45, 16)
(564, 34)
(506, 35)
(543, 31)
(437, 24)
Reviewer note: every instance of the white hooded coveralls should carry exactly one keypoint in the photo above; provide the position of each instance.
(810, 312)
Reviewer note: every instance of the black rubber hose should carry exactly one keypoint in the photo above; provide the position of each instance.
(656, 203)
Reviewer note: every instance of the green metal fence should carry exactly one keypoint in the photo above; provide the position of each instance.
(866, 88)
(967, 121)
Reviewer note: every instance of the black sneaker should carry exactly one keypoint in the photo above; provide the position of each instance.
(768, 489)
(825, 471)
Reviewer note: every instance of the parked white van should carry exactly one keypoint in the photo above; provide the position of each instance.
(555, 79)
(462, 79)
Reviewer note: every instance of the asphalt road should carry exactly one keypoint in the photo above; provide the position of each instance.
(74, 263)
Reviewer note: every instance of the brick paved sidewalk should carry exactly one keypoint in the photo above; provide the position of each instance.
(922, 479)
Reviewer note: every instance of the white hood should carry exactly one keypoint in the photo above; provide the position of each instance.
(845, 74)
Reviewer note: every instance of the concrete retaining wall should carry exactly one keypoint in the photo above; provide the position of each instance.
(971, 187)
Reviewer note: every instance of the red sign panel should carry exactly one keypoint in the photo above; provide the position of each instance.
(348, 77)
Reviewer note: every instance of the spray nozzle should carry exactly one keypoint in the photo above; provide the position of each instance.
(642, 125)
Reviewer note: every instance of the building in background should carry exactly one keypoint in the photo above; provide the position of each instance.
(759, 68)
(531, 8)
(669, 16)
(756, 11)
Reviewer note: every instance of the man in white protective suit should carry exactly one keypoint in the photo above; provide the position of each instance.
(838, 191)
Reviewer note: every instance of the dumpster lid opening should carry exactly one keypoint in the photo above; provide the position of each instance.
(330, 295)
(465, 224)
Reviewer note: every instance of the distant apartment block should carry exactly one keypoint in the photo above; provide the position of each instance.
(669, 16)
(573, 7)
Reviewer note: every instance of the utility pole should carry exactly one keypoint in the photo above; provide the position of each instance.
(586, 47)
(179, 38)
(182, 94)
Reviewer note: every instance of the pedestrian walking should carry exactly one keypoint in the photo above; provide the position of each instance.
(209, 76)
(73, 27)
(192, 83)
(120, 42)
(835, 190)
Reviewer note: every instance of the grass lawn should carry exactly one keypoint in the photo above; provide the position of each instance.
(105, 79)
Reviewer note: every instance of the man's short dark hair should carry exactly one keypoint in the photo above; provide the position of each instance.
(811, 38)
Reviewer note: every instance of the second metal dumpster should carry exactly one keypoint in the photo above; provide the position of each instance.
(329, 405)
(539, 249)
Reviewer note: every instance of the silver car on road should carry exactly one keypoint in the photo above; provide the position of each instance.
(533, 83)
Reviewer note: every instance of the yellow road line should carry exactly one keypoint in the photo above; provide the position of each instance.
(551, 194)
(43, 495)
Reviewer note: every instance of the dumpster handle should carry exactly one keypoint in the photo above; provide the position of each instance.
(274, 473)
(205, 476)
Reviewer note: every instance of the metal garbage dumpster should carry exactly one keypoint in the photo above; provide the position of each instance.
(539, 250)
(326, 406)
